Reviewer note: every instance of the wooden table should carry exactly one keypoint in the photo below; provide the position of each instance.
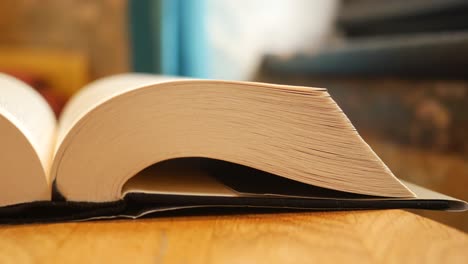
(391, 236)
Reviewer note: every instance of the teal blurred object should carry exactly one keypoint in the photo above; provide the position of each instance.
(141, 42)
(169, 37)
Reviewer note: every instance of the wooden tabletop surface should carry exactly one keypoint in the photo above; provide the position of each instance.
(388, 236)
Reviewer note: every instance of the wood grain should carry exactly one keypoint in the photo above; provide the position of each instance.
(391, 236)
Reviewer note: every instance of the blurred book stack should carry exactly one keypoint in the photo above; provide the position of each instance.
(398, 70)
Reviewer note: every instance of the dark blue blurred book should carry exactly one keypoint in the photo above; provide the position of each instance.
(432, 56)
(364, 18)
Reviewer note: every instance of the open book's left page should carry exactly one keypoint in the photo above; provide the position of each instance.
(27, 126)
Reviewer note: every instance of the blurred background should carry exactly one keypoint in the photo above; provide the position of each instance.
(398, 69)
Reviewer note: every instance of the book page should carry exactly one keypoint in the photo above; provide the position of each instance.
(116, 127)
(26, 108)
(175, 178)
(98, 92)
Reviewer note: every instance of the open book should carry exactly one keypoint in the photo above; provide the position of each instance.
(131, 144)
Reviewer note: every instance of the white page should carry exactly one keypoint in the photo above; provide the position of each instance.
(28, 110)
(95, 93)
